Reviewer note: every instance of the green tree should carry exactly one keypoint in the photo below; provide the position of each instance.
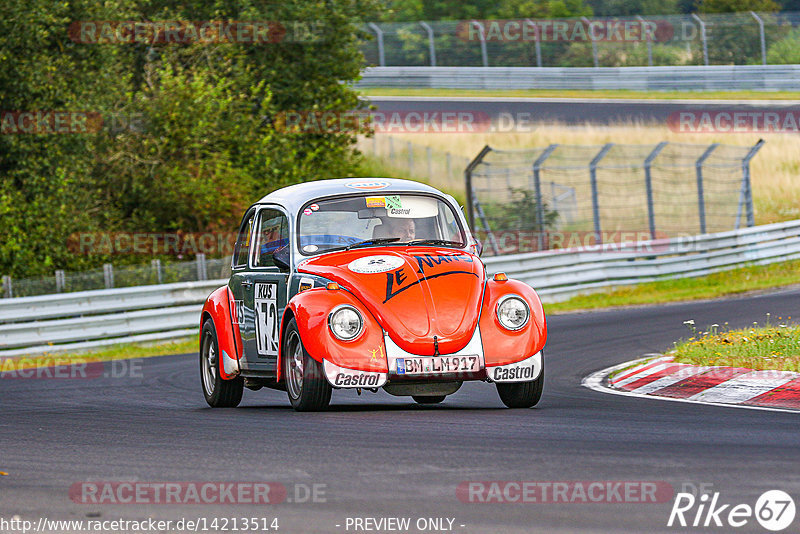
(203, 143)
(630, 8)
(45, 191)
(786, 51)
(736, 6)
(413, 10)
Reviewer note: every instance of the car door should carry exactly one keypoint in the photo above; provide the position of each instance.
(262, 293)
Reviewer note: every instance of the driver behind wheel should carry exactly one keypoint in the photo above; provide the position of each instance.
(395, 227)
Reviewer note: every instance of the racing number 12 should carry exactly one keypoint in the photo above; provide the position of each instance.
(266, 319)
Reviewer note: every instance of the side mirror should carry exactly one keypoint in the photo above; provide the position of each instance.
(281, 258)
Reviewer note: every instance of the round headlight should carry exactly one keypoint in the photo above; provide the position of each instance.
(513, 313)
(345, 323)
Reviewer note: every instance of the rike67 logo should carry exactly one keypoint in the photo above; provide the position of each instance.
(774, 510)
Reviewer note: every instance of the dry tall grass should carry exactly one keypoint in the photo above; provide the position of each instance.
(775, 170)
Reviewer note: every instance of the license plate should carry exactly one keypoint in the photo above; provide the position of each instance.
(438, 365)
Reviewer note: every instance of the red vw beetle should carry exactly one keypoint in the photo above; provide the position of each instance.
(367, 284)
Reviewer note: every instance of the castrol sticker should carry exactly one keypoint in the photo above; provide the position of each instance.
(342, 377)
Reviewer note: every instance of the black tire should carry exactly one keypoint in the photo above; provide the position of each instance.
(428, 399)
(306, 386)
(219, 393)
(522, 394)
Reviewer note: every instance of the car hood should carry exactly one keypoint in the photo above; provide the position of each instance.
(415, 293)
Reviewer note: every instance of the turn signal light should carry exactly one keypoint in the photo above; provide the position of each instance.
(333, 286)
(500, 277)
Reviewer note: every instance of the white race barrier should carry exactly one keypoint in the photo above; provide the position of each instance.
(687, 78)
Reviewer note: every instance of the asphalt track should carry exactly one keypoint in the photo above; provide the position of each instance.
(384, 456)
(575, 111)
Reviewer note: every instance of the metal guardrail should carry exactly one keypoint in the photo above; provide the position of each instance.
(679, 78)
(87, 319)
(560, 274)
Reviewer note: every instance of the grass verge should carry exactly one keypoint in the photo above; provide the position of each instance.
(587, 94)
(684, 289)
(767, 347)
(122, 351)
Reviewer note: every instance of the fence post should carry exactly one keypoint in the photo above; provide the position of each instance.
(761, 37)
(202, 273)
(595, 196)
(482, 35)
(156, 266)
(537, 186)
(471, 193)
(8, 290)
(108, 275)
(649, 41)
(379, 35)
(60, 282)
(536, 42)
(410, 149)
(648, 181)
(703, 36)
(746, 196)
(431, 45)
(701, 200)
(588, 23)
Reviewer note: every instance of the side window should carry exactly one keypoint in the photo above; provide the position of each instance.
(242, 248)
(273, 233)
(450, 230)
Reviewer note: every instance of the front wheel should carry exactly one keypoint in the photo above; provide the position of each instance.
(219, 393)
(522, 394)
(305, 382)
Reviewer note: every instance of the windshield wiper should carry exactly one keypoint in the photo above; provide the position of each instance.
(371, 242)
(443, 242)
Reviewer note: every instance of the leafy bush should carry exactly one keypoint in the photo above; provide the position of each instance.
(197, 139)
(786, 51)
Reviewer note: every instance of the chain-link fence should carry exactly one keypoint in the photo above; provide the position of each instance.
(564, 196)
(109, 276)
(707, 39)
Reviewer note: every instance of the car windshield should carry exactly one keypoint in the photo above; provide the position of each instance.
(372, 220)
